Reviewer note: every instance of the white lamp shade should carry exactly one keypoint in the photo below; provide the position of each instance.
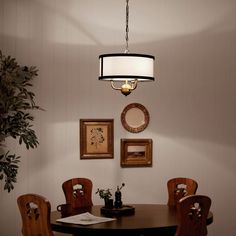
(126, 66)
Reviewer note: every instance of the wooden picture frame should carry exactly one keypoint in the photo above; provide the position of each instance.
(136, 152)
(96, 138)
(135, 117)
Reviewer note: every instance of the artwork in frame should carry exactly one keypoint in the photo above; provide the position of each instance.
(96, 138)
(136, 152)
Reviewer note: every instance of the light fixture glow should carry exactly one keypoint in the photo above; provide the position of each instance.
(126, 67)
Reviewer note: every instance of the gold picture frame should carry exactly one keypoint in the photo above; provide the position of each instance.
(136, 152)
(96, 138)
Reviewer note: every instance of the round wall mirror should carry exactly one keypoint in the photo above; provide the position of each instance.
(135, 117)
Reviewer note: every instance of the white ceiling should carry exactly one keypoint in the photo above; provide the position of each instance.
(102, 22)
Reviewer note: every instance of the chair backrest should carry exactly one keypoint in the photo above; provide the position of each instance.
(78, 192)
(180, 187)
(192, 212)
(35, 214)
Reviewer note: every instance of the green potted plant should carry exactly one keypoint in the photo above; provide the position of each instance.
(16, 100)
(106, 195)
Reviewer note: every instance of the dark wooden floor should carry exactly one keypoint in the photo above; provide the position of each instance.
(61, 234)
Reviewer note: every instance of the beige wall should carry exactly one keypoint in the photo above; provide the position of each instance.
(192, 103)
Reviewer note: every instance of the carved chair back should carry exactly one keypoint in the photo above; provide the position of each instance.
(192, 212)
(78, 192)
(35, 214)
(180, 187)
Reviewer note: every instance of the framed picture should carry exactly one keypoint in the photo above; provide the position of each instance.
(96, 138)
(136, 152)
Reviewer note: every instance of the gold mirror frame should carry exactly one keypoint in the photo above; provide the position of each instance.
(142, 118)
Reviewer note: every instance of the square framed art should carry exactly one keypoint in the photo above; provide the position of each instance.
(136, 152)
(96, 138)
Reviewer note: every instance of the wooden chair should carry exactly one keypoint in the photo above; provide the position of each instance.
(35, 213)
(180, 187)
(192, 212)
(78, 192)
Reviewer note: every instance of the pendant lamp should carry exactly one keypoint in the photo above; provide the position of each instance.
(129, 68)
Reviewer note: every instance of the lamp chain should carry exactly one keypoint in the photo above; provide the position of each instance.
(127, 27)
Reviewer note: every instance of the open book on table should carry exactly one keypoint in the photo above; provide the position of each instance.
(85, 219)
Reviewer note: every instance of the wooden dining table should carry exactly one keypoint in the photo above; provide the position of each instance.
(147, 219)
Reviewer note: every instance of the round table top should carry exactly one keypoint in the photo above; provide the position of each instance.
(148, 219)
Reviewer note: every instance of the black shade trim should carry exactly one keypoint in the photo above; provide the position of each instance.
(124, 77)
(126, 55)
